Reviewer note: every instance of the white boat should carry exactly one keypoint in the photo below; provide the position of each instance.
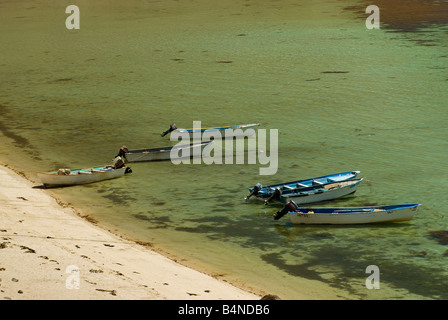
(323, 192)
(225, 132)
(67, 177)
(163, 153)
(326, 192)
(260, 191)
(348, 215)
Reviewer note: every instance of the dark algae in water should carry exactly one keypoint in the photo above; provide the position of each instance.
(440, 235)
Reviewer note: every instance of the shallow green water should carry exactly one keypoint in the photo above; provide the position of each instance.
(342, 97)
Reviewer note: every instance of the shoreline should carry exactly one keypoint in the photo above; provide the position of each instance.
(50, 252)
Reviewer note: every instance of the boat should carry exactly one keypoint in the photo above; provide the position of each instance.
(305, 183)
(67, 177)
(324, 192)
(225, 132)
(163, 153)
(348, 215)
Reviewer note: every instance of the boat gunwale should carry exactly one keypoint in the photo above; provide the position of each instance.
(355, 173)
(388, 214)
(354, 210)
(349, 184)
(85, 170)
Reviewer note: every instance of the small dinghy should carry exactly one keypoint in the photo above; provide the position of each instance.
(67, 177)
(348, 215)
(164, 153)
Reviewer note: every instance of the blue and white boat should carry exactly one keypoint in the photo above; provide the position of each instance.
(325, 192)
(348, 215)
(263, 193)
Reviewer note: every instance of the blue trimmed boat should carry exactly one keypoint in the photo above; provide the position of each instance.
(263, 193)
(348, 215)
(325, 192)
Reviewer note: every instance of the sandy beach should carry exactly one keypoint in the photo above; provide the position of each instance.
(340, 95)
(49, 252)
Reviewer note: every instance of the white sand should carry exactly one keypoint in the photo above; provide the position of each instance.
(42, 244)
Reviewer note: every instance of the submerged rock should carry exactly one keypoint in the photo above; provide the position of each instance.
(419, 254)
(441, 235)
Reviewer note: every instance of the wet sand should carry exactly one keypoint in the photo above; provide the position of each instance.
(49, 252)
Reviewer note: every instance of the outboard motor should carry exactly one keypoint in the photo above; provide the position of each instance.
(172, 128)
(127, 170)
(289, 207)
(122, 152)
(118, 163)
(275, 195)
(255, 191)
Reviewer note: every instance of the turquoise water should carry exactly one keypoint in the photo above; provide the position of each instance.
(342, 97)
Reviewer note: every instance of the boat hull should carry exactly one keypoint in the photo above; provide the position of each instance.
(298, 184)
(345, 188)
(325, 192)
(78, 177)
(163, 154)
(363, 215)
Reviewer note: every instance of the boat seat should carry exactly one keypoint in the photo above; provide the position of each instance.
(317, 183)
(300, 185)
